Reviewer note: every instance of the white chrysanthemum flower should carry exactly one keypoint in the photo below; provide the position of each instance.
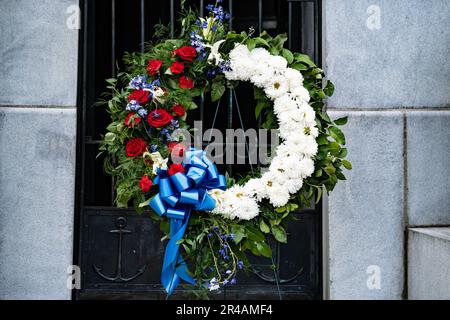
(278, 63)
(278, 195)
(255, 188)
(300, 93)
(262, 76)
(284, 103)
(276, 87)
(294, 78)
(248, 209)
(306, 167)
(308, 113)
(239, 52)
(311, 129)
(293, 185)
(236, 204)
(217, 195)
(260, 55)
(270, 178)
(291, 163)
(302, 144)
(279, 169)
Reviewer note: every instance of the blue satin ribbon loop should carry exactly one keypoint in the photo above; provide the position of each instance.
(180, 181)
(178, 195)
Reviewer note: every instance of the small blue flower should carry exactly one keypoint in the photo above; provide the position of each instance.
(222, 252)
(227, 257)
(216, 228)
(233, 281)
(225, 66)
(154, 148)
(142, 112)
(133, 105)
(231, 236)
(210, 235)
(155, 114)
(164, 132)
(240, 264)
(228, 272)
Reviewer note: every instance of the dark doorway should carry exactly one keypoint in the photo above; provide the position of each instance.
(119, 251)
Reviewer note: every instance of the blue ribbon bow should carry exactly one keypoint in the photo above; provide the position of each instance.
(178, 195)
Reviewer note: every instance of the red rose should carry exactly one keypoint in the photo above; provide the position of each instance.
(140, 96)
(175, 168)
(179, 110)
(176, 151)
(135, 147)
(145, 184)
(186, 83)
(159, 117)
(128, 121)
(153, 66)
(186, 53)
(177, 67)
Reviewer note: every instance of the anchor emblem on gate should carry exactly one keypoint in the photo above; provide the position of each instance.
(121, 223)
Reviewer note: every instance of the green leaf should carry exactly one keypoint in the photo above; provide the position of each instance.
(239, 233)
(299, 66)
(347, 164)
(330, 170)
(287, 54)
(298, 57)
(264, 249)
(341, 121)
(217, 90)
(279, 233)
(319, 195)
(340, 176)
(333, 146)
(254, 234)
(329, 89)
(110, 137)
(261, 104)
(145, 203)
(322, 140)
(337, 135)
(325, 117)
(343, 153)
(263, 226)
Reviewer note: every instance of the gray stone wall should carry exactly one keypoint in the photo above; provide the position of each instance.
(390, 64)
(37, 138)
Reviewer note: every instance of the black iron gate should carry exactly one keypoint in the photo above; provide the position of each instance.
(119, 251)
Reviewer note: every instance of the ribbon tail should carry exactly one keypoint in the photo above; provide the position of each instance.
(174, 266)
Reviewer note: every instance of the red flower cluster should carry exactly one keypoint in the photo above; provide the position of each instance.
(176, 150)
(175, 168)
(186, 83)
(179, 110)
(128, 121)
(177, 67)
(187, 53)
(153, 67)
(140, 96)
(145, 184)
(135, 147)
(159, 118)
